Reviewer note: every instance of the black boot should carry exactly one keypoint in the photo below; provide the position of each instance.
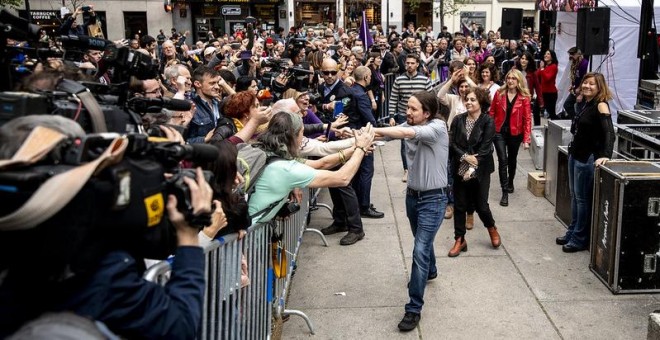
(509, 188)
(505, 199)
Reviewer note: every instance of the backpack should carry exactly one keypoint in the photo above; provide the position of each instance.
(251, 162)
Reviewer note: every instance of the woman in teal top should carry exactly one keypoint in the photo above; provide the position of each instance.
(283, 138)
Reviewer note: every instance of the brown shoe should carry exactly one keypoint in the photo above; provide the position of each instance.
(449, 212)
(459, 246)
(469, 221)
(494, 237)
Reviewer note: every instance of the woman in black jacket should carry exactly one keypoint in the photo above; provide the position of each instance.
(471, 151)
(592, 145)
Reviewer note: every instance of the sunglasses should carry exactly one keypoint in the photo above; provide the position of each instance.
(327, 73)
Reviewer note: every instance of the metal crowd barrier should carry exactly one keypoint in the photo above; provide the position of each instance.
(232, 312)
(383, 117)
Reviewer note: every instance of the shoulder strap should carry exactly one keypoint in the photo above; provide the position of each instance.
(271, 158)
(60, 189)
(88, 100)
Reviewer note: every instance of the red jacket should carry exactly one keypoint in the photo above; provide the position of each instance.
(534, 86)
(547, 78)
(520, 121)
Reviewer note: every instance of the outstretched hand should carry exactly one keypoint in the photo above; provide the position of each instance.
(365, 136)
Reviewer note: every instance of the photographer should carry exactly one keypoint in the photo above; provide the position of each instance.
(389, 64)
(112, 291)
(70, 25)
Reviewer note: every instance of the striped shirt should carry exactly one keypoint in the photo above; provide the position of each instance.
(403, 87)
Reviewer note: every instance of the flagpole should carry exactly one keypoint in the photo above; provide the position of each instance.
(364, 27)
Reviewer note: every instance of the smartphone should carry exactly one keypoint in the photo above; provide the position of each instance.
(86, 8)
(339, 108)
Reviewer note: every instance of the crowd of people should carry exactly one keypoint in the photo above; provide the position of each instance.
(317, 114)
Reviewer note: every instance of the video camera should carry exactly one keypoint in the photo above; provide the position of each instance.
(294, 77)
(110, 108)
(122, 207)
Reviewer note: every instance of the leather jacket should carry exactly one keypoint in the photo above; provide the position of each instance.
(479, 143)
(520, 121)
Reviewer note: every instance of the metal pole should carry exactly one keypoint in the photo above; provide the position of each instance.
(387, 18)
(27, 10)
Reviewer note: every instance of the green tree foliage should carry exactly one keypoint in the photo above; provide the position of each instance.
(11, 3)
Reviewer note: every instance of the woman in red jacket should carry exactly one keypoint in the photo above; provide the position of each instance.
(548, 77)
(511, 111)
(527, 65)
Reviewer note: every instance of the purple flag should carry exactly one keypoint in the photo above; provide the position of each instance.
(365, 34)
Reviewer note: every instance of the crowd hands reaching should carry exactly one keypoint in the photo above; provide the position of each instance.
(224, 94)
(263, 88)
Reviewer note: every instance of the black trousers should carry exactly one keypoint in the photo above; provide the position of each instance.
(550, 101)
(471, 193)
(536, 112)
(506, 147)
(569, 106)
(362, 181)
(345, 208)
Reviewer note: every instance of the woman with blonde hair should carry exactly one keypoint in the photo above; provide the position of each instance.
(512, 113)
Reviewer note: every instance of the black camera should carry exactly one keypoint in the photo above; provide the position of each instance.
(288, 209)
(176, 186)
(298, 42)
(314, 98)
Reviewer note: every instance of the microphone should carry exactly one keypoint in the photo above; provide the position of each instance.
(84, 42)
(155, 105)
(18, 28)
(199, 152)
(195, 152)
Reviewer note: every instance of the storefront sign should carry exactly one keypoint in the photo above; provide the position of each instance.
(231, 10)
(44, 15)
(264, 11)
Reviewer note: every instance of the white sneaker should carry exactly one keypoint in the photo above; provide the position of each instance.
(404, 179)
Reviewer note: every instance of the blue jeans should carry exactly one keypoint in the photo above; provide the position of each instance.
(581, 184)
(425, 214)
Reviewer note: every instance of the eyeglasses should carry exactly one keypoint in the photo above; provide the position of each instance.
(156, 91)
(327, 73)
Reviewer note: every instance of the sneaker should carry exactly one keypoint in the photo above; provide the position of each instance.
(409, 322)
(351, 238)
(404, 179)
(449, 211)
(572, 248)
(333, 229)
(371, 212)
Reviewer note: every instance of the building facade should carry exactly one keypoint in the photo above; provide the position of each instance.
(125, 18)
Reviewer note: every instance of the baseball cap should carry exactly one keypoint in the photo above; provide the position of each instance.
(209, 50)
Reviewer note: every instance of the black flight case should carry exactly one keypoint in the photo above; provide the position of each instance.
(625, 228)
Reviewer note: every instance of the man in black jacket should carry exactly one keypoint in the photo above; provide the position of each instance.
(345, 210)
(389, 64)
(363, 115)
